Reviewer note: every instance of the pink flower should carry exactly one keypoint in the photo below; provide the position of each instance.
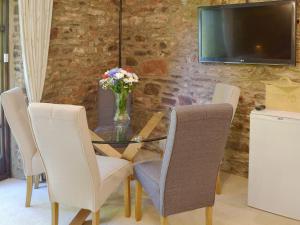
(104, 76)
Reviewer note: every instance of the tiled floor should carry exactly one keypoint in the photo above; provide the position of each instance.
(230, 208)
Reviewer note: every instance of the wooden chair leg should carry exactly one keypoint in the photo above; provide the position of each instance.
(127, 197)
(138, 201)
(209, 215)
(219, 185)
(161, 154)
(96, 218)
(54, 208)
(36, 181)
(28, 190)
(163, 220)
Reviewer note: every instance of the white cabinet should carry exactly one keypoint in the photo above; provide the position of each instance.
(274, 162)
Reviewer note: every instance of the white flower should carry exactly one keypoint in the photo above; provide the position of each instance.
(123, 71)
(135, 77)
(103, 81)
(129, 75)
(119, 76)
(127, 80)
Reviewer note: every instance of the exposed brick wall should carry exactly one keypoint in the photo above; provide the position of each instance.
(16, 65)
(161, 44)
(84, 43)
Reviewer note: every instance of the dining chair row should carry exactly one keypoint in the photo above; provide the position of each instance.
(55, 139)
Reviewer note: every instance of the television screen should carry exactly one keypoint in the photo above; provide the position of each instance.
(248, 33)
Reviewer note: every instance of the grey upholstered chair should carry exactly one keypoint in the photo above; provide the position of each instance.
(186, 177)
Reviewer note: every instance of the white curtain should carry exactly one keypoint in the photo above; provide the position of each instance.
(35, 23)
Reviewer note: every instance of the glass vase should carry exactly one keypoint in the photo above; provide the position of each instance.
(121, 115)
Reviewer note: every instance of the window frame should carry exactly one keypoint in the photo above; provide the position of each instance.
(5, 160)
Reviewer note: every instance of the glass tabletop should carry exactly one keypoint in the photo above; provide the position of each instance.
(141, 128)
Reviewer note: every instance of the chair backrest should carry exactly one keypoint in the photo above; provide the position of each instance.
(225, 93)
(194, 150)
(107, 107)
(64, 141)
(15, 110)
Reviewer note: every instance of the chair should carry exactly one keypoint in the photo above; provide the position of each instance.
(15, 109)
(186, 177)
(75, 175)
(225, 93)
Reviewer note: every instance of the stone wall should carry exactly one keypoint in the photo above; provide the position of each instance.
(161, 43)
(16, 65)
(84, 43)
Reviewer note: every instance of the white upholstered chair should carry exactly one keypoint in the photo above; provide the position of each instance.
(225, 93)
(15, 110)
(75, 175)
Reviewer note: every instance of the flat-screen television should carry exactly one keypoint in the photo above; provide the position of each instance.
(252, 33)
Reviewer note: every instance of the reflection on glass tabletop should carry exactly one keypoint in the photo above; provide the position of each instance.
(147, 127)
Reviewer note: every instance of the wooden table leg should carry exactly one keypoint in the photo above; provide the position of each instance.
(132, 149)
(129, 154)
(80, 217)
(104, 148)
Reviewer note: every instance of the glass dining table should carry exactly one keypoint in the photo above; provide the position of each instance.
(125, 140)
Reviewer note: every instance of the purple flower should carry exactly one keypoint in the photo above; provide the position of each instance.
(113, 72)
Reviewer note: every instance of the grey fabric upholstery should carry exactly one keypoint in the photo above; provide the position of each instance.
(148, 173)
(194, 150)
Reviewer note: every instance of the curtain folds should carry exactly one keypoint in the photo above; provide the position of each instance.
(35, 24)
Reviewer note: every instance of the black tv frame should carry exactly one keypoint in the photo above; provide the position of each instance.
(291, 62)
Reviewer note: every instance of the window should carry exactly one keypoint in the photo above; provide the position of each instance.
(4, 84)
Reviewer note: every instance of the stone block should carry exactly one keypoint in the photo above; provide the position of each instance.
(154, 67)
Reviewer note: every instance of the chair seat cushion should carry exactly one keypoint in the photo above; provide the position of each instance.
(148, 174)
(113, 171)
(37, 164)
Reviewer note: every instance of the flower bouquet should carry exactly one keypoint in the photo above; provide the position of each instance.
(121, 82)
